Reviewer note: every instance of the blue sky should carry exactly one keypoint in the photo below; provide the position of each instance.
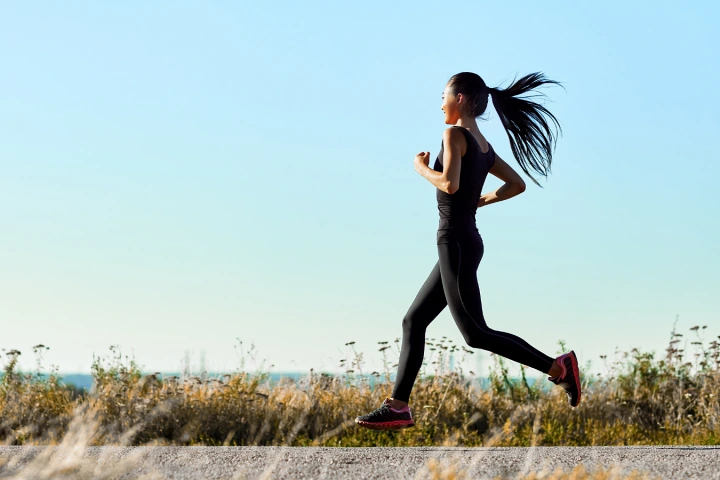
(177, 176)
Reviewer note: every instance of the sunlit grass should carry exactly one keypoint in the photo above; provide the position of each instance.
(435, 470)
(638, 400)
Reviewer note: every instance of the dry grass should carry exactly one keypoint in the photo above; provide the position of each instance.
(639, 400)
(581, 473)
(436, 471)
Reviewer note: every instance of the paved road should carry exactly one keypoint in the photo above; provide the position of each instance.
(352, 463)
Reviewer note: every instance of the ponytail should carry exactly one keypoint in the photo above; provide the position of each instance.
(529, 133)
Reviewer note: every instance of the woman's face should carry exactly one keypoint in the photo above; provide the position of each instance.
(450, 105)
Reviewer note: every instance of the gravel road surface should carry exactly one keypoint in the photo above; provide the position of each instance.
(689, 462)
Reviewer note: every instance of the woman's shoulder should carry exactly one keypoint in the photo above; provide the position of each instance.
(462, 140)
(453, 135)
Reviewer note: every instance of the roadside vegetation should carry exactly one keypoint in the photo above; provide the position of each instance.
(640, 399)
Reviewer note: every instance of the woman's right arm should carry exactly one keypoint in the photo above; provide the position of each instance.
(514, 184)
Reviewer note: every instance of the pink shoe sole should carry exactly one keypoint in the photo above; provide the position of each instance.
(576, 371)
(394, 425)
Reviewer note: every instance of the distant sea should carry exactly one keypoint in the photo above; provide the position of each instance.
(84, 381)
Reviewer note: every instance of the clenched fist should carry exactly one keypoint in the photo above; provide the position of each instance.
(421, 159)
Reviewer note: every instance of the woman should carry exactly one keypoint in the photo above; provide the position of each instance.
(459, 172)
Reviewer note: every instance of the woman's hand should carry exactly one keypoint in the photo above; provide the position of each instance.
(422, 161)
(514, 184)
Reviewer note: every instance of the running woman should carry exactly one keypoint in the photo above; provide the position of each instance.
(459, 172)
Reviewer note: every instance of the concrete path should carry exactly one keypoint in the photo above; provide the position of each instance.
(316, 463)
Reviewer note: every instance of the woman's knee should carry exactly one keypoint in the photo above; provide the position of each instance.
(474, 342)
(413, 321)
(409, 321)
(477, 340)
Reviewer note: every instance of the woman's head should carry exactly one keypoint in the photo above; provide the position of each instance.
(466, 96)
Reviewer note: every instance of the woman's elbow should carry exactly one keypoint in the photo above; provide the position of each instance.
(520, 187)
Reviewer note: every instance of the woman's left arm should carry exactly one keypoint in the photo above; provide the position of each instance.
(436, 178)
(449, 179)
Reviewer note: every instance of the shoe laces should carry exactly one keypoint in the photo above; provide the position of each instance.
(380, 411)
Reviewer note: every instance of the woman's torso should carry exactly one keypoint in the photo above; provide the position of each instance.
(457, 211)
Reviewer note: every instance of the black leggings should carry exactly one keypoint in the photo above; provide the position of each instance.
(453, 282)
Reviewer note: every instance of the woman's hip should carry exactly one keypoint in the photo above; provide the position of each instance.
(466, 248)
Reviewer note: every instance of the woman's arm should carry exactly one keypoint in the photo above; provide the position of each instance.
(449, 179)
(438, 179)
(514, 184)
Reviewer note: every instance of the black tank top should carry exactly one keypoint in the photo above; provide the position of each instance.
(457, 211)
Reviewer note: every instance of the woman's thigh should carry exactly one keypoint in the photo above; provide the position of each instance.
(459, 261)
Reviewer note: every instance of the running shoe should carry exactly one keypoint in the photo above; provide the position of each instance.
(387, 418)
(569, 377)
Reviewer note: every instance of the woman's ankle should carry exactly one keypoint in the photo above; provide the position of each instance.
(397, 404)
(555, 369)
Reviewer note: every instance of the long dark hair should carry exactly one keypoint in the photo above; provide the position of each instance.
(531, 139)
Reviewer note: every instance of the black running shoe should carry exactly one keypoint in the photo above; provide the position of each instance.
(569, 378)
(387, 418)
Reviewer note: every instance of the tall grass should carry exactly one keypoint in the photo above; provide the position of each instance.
(639, 399)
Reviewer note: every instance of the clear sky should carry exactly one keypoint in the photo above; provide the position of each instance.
(179, 175)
